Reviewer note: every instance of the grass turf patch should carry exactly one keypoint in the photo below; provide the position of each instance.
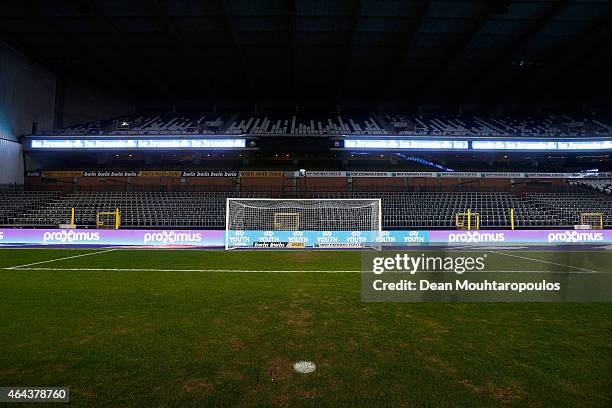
(193, 339)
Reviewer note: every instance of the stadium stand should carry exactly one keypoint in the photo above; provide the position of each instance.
(13, 203)
(568, 206)
(392, 124)
(603, 186)
(401, 210)
(138, 209)
(517, 126)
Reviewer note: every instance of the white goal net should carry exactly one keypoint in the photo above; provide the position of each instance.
(302, 223)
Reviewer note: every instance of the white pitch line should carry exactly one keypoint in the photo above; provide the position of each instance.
(261, 271)
(546, 262)
(10, 247)
(59, 259)
(177, 270)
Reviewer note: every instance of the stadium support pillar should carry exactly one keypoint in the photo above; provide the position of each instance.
(512, 218)
(72, 218)
(294, 184)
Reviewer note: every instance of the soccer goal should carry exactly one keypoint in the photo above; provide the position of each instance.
(108, 219)
(305, 223)
(591, 220)
(467, 220)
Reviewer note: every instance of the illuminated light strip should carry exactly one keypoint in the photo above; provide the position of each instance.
(349, 143)
(542, 145)
(137, 143)
(406, 144)
(512, 145)
(586, 145)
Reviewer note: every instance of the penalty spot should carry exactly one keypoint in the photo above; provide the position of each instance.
(304, 367)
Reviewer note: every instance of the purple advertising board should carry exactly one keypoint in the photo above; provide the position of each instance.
(511, 237)
(216, 238)
(199, 238)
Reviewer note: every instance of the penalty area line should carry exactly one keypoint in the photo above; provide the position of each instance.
(543, 261)
(178, 270)
(58, 259)
(272, 271)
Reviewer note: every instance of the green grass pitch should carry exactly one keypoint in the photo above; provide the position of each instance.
(183, 328)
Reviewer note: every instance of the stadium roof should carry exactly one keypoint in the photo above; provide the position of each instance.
(321, 51)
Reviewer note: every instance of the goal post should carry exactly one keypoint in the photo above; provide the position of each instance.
(108, 219)
(302, 223)
(287, 221)
(592, 220)
(468, 220)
